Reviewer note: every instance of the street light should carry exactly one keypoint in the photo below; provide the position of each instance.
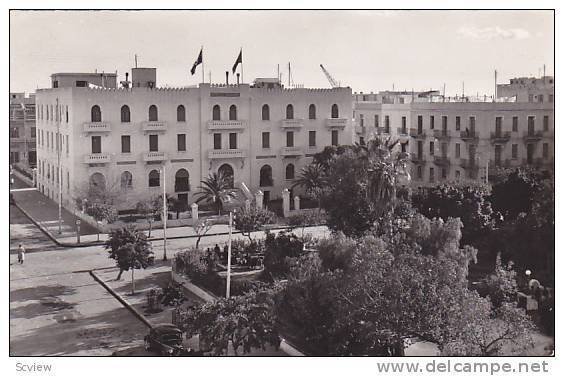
(165, 212)
(228, 278)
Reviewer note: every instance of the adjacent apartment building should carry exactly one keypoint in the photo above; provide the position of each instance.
(464, 138)
(22, 130)
(130, 139)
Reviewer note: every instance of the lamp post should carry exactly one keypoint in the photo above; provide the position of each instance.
(228, 279)
(165, 213)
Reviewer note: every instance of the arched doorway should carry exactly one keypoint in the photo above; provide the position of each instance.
(97, 183)
(226, 171)
(265, 176)
(181, 181)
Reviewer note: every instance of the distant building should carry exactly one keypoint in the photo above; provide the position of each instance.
(460, 138)
(120, 138)
(22, 130)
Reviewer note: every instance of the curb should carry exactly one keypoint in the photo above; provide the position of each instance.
(135, 312)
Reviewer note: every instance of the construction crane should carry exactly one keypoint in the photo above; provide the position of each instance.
(331, 80)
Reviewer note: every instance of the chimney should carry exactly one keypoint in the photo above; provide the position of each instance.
(127, 76)
(227, 77)
(238, 74)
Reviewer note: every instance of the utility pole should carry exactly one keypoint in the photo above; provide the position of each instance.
(228, 280)
(59, 166)
(165, 212)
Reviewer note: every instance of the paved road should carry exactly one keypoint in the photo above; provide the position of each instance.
(22, 230)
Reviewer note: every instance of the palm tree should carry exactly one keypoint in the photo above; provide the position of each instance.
(312, 179)
(216, 188)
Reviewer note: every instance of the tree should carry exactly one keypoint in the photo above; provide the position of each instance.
(247, 321)
(201, 227)
(102, 212)
(150, 209)
(248, 220)
(279, 249)
(130, 249)
(216, 188)
(176, 205)
(312, 180)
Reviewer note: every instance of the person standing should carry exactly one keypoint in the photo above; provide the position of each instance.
(21, 254)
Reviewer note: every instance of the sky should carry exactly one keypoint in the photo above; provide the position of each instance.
(366, 50)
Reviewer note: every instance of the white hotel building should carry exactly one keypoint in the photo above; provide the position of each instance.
(121, 138)
(463, 138)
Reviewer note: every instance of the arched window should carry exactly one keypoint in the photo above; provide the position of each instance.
(216, 113)
(226, 171)
(233, 112)
(125, 114)
(265, 112)
(289, 111)
(181, 181)
(265, 176)
(97, 183)
(153, 113)
(311, 111)
(154, 178)
(290, 172)
(180, 113)
(126, 180)
(334, 111)
(95, 114)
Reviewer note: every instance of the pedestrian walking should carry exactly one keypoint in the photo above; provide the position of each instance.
(21, 254)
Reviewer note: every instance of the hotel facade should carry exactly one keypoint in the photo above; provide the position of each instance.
(461, 138)
(129, 140)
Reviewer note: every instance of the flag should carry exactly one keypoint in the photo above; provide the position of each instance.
(238, 61)
(197, 62)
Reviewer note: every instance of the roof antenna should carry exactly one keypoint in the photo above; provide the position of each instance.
(135, 60)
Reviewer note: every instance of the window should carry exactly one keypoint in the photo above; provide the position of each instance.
(311, 111)
(431, 174)
(96, 144)
(66, 115)
(431, 148)
(182, 181)
(232, 112)
(531, 125)
(126, 180)
(445, 123)
(334, 111)
(181, 142)
(498, 125)
(67, 142)
(497, 155)
(265, 140)
(216, 112)
(545, 150)
(444, 173)
(153, 142)
(232, 140)
(376, 121)
(541, 98)
(386, 124)
(545, 123)
(335, 138)
(530, 153)
(181, 114)
(472, 124)
(457, 175)
(550, 98)
(290, 139)
(530, 97)
(515, 124)
(55, 84)
(289, 111)
(217, 141)
(81, 83)
(361, 120)
(153, 113)
(457, 150)
(154, 179)
(95, 114)
(457, 123)
(311, 138)
(514, 151)
(420, 124)
(126, 144)
(33, 132)
(265, 112)
(419, 172)
(290, 171)
(14, 132)
(431, 122)
(265, 179)
(125, 114)
(403, 125)
(14, 157)
(444, 149)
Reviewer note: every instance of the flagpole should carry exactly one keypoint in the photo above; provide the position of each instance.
(241, 52)
(203, 81)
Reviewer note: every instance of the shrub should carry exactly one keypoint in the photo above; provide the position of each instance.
(277, 249)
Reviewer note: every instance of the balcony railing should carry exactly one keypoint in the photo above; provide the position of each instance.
(292, 123)
(441, 134)
(336, 122)
(97, 158)
(154, 126)
(229, 153)
(226, 124)
(383, 130)
(125, 157)
(417, 158)
(497, 137)
(291, 151)
(97, 127)
(414, 132)
(532, 136)
(403, 131)
(154, 156)
(469, 135)
(441, 160)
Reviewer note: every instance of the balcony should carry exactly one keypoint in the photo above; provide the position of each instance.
(500, 137)
(218, 125)
(97, 158)
(441, 134)
(414, 132)
(417, 158)
(383, 130)
(154, 126)
(403, 131)
(291, 151)
(336, 122)
(154, 156)
(532, 136)
(469, 164)
(441, 161)
(292, 123)
(226, 154)
(469, 136)
(359, 129)
(97, 127)
(125, 157)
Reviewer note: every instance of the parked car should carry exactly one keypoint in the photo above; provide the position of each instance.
(165, 339)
